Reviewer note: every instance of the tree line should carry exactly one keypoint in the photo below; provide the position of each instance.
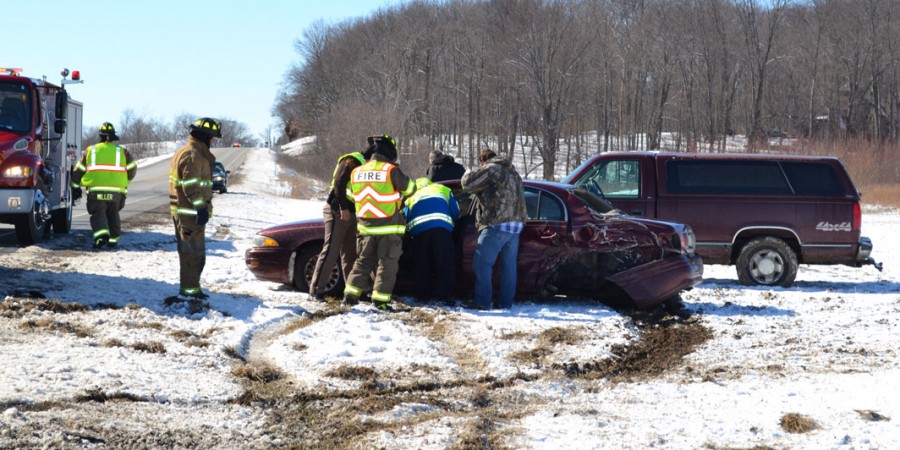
(146, 137)
(568, 78)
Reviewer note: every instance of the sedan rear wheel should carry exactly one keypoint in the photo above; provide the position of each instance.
(767, 261)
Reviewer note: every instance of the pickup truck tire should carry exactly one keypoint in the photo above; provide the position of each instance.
(305, 265)
(30, 227)
(767, 261)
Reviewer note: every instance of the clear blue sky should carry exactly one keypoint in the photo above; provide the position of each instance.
(161, 58)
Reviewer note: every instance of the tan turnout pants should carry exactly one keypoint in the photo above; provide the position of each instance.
(191, 252)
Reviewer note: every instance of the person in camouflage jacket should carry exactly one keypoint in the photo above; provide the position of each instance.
(500, 216)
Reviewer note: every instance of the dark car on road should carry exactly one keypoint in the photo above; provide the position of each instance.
(220, 177)
(574, 243)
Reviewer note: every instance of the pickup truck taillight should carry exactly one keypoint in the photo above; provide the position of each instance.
(857, 216)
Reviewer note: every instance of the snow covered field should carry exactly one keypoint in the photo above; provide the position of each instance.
(92, 356)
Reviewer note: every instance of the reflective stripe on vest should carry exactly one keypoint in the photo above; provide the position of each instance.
(429, 217)
(373, 191)
(381, 230)
(428, 192)
(106, 169)
(355, 155)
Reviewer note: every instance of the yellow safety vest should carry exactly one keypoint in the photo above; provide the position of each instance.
(375, 197)
(106, 169)
(356, 155)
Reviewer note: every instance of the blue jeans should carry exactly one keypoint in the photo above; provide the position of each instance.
(491, 244)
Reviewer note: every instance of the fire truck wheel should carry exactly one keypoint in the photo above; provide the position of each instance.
(62, 218)
(30, 227)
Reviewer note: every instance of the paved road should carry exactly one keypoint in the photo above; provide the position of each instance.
(147, 191)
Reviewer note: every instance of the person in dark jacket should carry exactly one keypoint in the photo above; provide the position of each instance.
(431, 214)
(340, 224)
(500, 215)
(443, 167)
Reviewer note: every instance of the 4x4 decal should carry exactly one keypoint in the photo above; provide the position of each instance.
(825, 226)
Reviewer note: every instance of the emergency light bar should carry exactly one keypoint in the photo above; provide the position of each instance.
(76, 77)
(10, 71)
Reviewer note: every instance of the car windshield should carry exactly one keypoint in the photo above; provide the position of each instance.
(14, 108)
(592, 200)
(218, 167)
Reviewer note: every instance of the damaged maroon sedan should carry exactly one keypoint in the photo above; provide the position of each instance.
(574, 244)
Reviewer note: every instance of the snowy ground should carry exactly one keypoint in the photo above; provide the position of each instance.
(93, 357)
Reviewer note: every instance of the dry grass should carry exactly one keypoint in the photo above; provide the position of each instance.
(481, 433)
(796, 423)
(56, 326)
(183, 335)
(515, 335)
(873, 166)
(149, 347)
(560, 335)
(258, 372)
(303, 186)
(352, 373)
(534, 356)
(98, 395)
(295, 325)
(19, 307)
(881, 194)
(210, 332)
(233, 353)
(112, 343)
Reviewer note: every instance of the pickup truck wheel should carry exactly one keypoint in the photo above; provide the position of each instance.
(305, 265)
(767, 261)
(30, 227)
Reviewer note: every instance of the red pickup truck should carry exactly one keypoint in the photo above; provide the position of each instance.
(766, 214)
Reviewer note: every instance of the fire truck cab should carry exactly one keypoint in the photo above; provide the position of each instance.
(40, 142)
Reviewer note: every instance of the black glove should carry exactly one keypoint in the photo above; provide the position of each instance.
(76, 194)
(202, 216)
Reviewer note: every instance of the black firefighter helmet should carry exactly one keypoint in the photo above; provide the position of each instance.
(207, 126)
(384, 145)
(108, 131)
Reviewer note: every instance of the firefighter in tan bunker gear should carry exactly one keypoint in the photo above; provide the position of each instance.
(104, 171)
(190, 200)
(377, 187)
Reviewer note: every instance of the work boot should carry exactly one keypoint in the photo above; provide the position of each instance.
(350, 300)
(383, 306)
(199, 295)
(101, 241)
(318, 297)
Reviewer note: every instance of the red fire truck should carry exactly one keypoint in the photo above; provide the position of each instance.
(40, 142)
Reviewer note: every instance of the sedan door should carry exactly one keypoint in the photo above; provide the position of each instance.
(544, 236)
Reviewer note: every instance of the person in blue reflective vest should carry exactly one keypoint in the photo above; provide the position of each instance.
(431, 214)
